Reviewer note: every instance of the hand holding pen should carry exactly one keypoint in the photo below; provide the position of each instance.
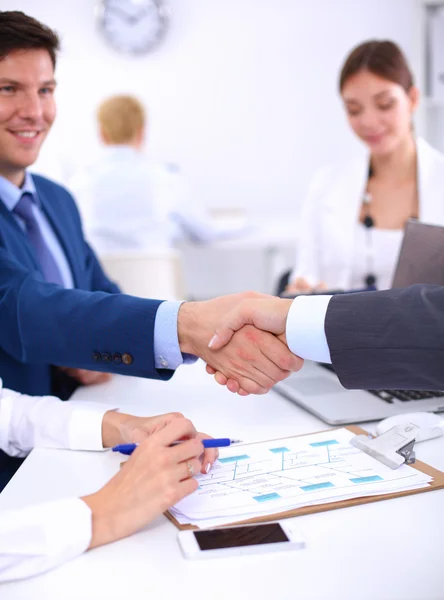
(154, 478)
(128, 449)
(128, 429)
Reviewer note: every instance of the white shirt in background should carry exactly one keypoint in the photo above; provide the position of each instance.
(37, 538)
(129, 203)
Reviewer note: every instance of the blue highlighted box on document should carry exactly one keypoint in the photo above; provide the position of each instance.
(326, 443)
(316, 486)
(229, 459)
(266, 497)
(366, 479)
(279, 450)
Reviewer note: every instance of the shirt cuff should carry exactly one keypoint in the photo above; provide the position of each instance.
(85, 426)
(305, 329)
(167, 354)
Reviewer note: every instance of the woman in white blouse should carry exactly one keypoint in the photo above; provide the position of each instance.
(353, 219)
(37, 538)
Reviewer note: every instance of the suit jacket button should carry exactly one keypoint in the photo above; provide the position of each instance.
(127, 358)
(97, 357)
(117, 358)
(106, 357)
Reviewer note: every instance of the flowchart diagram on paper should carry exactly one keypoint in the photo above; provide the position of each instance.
(272, 476)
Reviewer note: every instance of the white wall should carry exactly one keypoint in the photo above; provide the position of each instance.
(242, 94)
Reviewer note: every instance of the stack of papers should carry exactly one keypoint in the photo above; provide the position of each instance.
(266, 478)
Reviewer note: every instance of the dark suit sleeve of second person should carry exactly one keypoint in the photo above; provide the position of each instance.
(392, 339)
(44, 323)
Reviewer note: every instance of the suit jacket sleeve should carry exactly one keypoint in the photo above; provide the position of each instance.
(44, 323)
(388, 340)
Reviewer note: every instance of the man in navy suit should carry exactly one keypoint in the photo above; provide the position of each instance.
(59, 313)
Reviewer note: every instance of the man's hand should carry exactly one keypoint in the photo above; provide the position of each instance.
(267, 314)
(86, 377)
(120, 428)
(155, 477)
(254, 360)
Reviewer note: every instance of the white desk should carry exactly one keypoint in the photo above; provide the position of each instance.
(386, 550)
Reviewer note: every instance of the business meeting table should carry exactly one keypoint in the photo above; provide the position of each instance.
(393, 549)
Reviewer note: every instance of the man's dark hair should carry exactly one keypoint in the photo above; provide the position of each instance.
(21, 32)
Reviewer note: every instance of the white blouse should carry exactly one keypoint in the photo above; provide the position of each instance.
(375, 252)
(42, 536)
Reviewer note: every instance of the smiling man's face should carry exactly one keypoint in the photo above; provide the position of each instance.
(27, 109)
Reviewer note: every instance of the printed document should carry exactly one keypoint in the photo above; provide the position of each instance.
(265, 478)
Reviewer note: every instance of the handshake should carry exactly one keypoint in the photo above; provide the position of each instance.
(242, 339)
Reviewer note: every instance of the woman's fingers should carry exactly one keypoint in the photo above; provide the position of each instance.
(210, 455)
(186, 450)
(188, 469)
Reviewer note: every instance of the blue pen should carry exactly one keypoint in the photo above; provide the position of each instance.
(211, 443)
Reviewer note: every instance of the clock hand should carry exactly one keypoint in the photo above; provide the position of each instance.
(144, 11)
(119, 11)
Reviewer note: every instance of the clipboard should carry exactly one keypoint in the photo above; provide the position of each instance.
(436, 484)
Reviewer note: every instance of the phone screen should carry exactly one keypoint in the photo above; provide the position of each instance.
(240, 536)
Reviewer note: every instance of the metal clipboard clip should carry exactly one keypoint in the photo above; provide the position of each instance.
(393, 448)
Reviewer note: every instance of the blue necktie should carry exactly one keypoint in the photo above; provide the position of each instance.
(46, 260)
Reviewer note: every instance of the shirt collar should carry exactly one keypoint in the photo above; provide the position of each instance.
(120, 151)
(10, 194)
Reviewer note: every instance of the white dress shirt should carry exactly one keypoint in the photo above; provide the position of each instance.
(37, 538)
(305, 328)
(131, 203)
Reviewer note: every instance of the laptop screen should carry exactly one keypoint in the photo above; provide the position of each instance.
(421, 258)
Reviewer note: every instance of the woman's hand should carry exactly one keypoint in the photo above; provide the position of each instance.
(155, 477)
(119, 428)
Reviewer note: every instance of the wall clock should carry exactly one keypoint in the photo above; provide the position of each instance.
(133, 26)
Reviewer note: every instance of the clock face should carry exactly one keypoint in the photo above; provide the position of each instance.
(132, 26)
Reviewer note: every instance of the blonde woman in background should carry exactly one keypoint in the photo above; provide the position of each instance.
(129, 202)
(353, 219)
(116, 192)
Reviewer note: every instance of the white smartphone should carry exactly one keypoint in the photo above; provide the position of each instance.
(240, 540)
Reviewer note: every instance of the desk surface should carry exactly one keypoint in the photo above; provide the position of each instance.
(386, 550)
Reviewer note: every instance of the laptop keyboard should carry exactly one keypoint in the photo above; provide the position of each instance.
(405, 395)
(391, 395)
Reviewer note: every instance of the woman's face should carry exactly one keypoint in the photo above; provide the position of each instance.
(379, 111)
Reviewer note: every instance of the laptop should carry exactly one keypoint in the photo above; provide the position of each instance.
(317, 388)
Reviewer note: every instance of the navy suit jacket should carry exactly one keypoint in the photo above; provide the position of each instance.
(42, 325)
(388, 340)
